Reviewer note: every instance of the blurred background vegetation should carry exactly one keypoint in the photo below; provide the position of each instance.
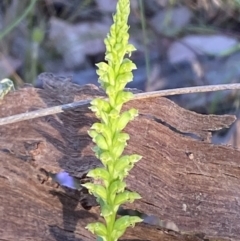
(180, 43)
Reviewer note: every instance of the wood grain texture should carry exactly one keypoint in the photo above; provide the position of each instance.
(182, 178)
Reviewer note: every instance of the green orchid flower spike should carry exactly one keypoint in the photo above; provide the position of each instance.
(108, 133)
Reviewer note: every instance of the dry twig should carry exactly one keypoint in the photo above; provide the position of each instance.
(161, 93)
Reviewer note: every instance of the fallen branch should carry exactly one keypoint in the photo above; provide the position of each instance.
(187, 183)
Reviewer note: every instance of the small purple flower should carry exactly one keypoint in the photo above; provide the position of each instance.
(64, 179)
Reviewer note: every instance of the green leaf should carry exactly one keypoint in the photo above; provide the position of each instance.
(123, 97)
(101, 238)
(126, 196)
(103, 80)
(127, 66)
(97, 151)
(109, 42)
(109, 57)
(103, 66)
(98, 127)
(116, 234)
(116, 187)
(106, 210)
(124, 165)
(101, 202)
(111, 76)
(101, 142)
(129, 49)
(96, 190)
(120, 165)
(118, 150)
(98, 229)
(125, 117)
(111, 92)
(120, 138)
(106, 157)
(96, 110)
(104, 130)
(126, 221)
(99, 172)
(101, 74)
(114, 114)
(135, 158)
(122, 224)
(126, 160)
(103, 115)
(93, 134)
(125, 78)
(101, 104)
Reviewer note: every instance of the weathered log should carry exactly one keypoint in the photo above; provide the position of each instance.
(183, 179)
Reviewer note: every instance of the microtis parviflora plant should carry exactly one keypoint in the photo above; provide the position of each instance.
(108, 133)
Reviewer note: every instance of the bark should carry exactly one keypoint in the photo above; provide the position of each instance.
(189, 184)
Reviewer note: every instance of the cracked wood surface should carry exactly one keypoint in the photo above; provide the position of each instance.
(182, 178)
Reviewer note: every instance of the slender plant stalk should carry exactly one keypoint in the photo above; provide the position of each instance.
(18, 20)
(108, 133)
(145, 39)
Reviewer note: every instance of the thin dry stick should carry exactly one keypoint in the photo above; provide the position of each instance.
(62, 108)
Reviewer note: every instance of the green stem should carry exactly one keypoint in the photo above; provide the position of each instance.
(143, 23)
(113, 78)
(17, 21)
(110, 225)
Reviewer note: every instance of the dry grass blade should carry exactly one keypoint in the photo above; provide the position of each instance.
(153, 94)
